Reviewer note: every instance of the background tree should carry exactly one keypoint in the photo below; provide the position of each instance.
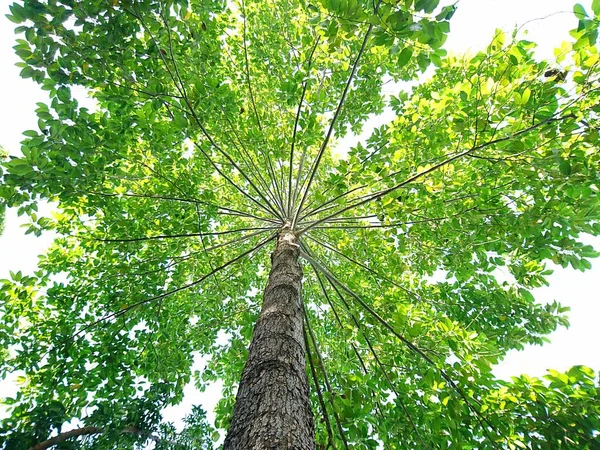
(212, 132)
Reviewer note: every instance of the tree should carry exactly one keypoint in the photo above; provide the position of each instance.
(209, 147)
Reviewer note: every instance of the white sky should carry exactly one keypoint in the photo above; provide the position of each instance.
(472, 28)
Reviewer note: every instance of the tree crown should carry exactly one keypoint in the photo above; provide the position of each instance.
(213, 127)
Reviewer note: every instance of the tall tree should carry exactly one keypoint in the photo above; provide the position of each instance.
(209, 147)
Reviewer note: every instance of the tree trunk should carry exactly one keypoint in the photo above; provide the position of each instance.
(272, 409)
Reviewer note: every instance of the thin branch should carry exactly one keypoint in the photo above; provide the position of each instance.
(406, 342)
(339, 322)
(313, 200)
(297, 186)
(323, 206)
(326, 380)
(173, 291)
(141, 91)
(277, 188)
(171, 236)
(270, 168)
(180, 86)
(318, 389)
(334, 119)
(77, 432)
(249, 161)
(210, 263)
(380, 194)
(248, 66)
(233, 241)
(289, 199)
(364, 266)
(205, 250)
(224, 210)
(92, 430)
(347, 219)
(372, 350)
(337, 317)
(373, 153)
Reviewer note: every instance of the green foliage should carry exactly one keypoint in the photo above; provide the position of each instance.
(212, 126)
(563, 409)
(3, 156)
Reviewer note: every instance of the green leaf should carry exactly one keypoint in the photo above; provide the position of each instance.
(565, 167)
(525, 96)
(527, 295)
(17, 13)
(446, 13)
(399, 20)
(18, 167)
(180, 120)
(427, 6)
(13, 18)
(64, 94)
(579, 11)
(405, 56)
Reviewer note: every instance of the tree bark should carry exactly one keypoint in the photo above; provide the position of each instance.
(272, 409)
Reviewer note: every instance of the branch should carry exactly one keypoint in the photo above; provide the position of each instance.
(171, 236)
(380, 194)
(180, 86)
(83, 431)
(318, 389)
(325, 379)
(374, 273)
(372, 350)
(249, 161)
(333, 279)
(91, 430)
(289, 199)
(226, 211)
(248, 67)
(335, 117)
(277, 189)
(205, 250)
(323, 207)
(171, 292)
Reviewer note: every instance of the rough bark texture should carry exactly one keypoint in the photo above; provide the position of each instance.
(272, 409)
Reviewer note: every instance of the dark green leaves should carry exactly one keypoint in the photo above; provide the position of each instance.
(182, 165)
(446, 13)
(400, 20)
(18, 166)
(404, 56)
(565, 167)
(427, 6)
(18, 14)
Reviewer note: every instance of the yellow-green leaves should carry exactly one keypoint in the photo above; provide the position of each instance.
(170, 186)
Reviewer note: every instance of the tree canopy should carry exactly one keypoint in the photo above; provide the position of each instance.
(214, 127)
